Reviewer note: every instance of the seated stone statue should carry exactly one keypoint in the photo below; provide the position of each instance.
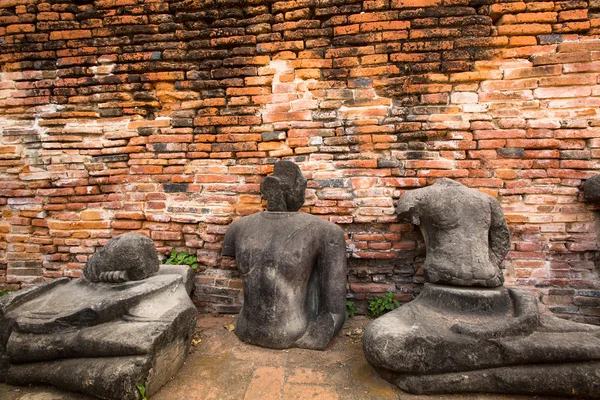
(293, 267)
(465, 332)
(126, 322)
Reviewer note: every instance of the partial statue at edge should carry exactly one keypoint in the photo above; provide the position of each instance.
(465, 332)
(293, 267)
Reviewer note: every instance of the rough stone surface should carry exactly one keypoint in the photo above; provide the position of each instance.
(284, 190)
(128, 257)
(591, 190)
(98, 338)
(293, 267)
(465, 232)
(463, 338)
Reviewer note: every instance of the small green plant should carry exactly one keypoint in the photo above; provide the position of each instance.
(6, 291)
(142, 390)
(182, 258)
(351, 309)
(380, 305)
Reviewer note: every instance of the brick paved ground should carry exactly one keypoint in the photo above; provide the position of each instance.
(220, 367)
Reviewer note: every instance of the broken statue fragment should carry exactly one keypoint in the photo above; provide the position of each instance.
(591, 190)
(127, 322)
(465, 332)
(293, 267)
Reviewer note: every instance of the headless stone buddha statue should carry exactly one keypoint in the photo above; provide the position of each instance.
(465, 332)
(293, 267)
(126, 322)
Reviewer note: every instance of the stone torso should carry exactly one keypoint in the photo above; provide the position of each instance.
(276, 253)
(456, 223)
(454, 253)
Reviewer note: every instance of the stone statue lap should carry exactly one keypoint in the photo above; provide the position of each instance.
(126, 322)
(465, 332)
(293, 267)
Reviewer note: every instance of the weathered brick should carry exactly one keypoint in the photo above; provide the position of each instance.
(527, 18)
(521, 73)
(573, 15)
(525, 29)
(71, 35)
(544, 93)
(167, 127)
(415, 3)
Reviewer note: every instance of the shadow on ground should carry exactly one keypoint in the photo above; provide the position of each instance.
(221, 367)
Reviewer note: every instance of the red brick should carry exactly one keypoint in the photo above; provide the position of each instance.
(403, 182)
(126, 224)
(521, 73)
(163, 76)
(415, 3)
(579, 46)
(526, 29)
(434, 33)
(165, 235)
(126, 20)
(170, 138)
(71, 35)
(146, 169)
(528, 18)
(520, 41)
(568, 80)
(372, 288)
(375, 4)
(384, 26)
(214, 120)
(280, 46)
(533, 143)
(346, 30)
(373, 16)
(573, 15)
(561, 92)
(540, 6)
(571, 27)
(582, 67)
(115, 3)
(289, 116)
(20, 28)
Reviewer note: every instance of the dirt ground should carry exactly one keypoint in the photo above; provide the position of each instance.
(221, 367)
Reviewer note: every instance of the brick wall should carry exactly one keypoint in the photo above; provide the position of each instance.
(163, 116)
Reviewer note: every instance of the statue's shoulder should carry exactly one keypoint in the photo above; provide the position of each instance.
(248, 219)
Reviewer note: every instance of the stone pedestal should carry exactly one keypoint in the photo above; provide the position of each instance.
(455, 340)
